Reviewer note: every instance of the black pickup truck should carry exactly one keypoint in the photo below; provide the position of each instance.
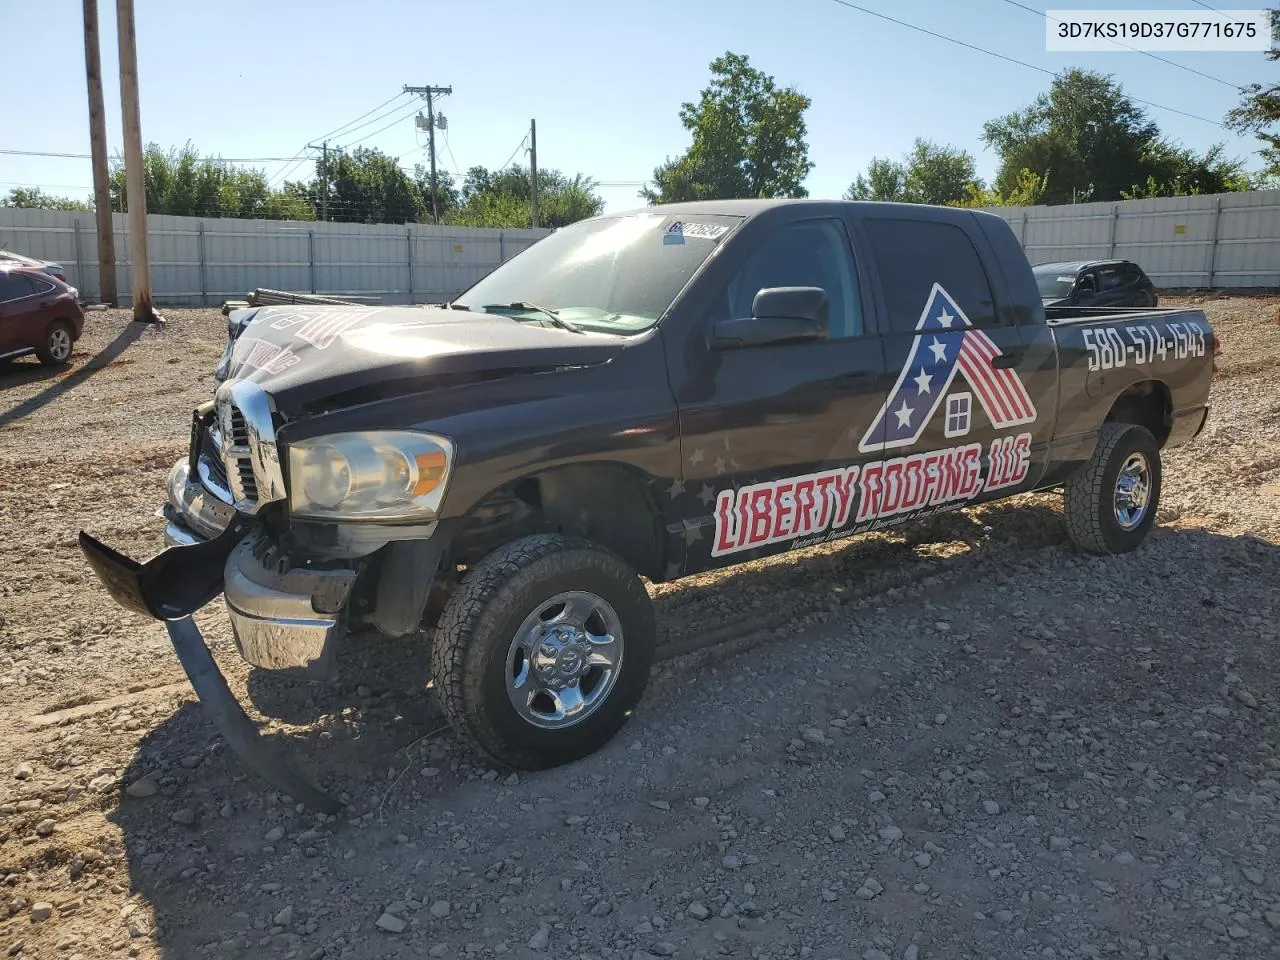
(642, 395)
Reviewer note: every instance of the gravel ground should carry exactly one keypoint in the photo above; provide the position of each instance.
(962, 740)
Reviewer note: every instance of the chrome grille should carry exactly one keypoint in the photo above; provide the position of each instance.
(238, 458)
(243, 435)
(247, 482)
(217, 472)
(210, 467)
(239, 429)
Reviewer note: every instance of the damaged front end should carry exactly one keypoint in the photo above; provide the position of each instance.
(284, 615)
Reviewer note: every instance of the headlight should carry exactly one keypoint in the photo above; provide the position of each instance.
(373, 475)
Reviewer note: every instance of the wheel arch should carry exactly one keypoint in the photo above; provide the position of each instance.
(606, 502)
(1148, 403)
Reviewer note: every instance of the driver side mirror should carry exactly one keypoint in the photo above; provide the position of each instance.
(779, 315)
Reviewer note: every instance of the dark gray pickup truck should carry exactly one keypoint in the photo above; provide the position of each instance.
(642, 395)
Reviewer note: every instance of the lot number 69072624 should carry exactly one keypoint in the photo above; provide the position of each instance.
(1108, 348)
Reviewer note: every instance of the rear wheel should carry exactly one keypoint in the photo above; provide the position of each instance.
(1111, 504)
(56, 349)
(544, 650)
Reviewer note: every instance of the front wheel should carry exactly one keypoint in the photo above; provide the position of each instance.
(544, 650)
(1111, 504)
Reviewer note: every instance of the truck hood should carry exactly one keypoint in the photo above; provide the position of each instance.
(304, 354)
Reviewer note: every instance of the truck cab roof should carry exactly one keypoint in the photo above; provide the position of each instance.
(748, 208)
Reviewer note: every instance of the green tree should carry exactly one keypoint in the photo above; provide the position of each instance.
(447, 195)
(748, 140)
(930, 173)
(180, 182)
(1177, 171)
(291, 202)
(501, 198)
(1085, 129)
(1026, 192)
(1100, 145)
(1259, 112)
(34, 198)
(367, 186)
(884, 180)
(939, 174)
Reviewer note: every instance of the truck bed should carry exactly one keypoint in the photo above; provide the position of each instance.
(1056, 316)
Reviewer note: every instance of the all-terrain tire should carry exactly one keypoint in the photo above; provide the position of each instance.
(1090, 505)
(469, 653)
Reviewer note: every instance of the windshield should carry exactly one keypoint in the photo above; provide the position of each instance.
(609, 274)
(1054, 283)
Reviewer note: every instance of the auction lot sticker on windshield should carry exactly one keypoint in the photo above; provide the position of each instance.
(678, 231)
(1121, 31)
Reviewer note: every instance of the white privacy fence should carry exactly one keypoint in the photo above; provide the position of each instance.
(1225, 240)
(201, 261)
(1229, 240)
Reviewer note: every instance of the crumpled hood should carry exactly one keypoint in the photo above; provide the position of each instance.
(301, 354)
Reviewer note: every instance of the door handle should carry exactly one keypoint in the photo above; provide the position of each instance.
(1006, 360)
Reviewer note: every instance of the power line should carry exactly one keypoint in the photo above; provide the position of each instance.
(371, 121)
(1001, 56)
(1146, 53)
(457, 171)
(85, 156)
(518, 148)
(283, 175)
(343, 128)
(300, 157)
(399, 119)
(1207, 7)
(43, 186)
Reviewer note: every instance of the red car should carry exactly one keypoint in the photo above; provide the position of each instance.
(38, 314)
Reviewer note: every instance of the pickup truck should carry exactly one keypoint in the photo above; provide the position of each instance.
(639, 396)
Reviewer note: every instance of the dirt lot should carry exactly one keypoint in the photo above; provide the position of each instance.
(965, 741)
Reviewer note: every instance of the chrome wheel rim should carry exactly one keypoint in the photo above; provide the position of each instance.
(60, 344)
(1133, 491)
(564, 660)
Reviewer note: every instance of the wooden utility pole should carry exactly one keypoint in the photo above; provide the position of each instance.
(98, 150)
(430, 124)
(533, 170)
(324, 177)
(143, 310)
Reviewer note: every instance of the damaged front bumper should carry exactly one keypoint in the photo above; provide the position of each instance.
(282, 617)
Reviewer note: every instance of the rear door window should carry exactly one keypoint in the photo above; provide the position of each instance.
(14, 286)
(912, 255)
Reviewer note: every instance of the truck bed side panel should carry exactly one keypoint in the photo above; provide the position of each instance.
(1102, 357)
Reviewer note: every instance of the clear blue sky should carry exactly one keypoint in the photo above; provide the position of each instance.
(248, 78)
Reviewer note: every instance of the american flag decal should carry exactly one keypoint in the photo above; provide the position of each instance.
(324, 327)
(947, 344)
